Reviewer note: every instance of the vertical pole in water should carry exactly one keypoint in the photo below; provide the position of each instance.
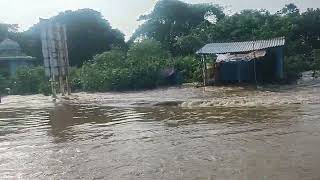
(60, 57)
(53, 87)
(255, 66)
(66, 58)
(68, 85)
(53, 56)
(45, 52)
(62, 87)
(204, 71)
(254, 59)
(55, 53)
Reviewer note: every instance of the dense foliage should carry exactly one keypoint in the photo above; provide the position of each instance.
(87, 31)
(172, 19)
(190, 68)
(138, 69)
(6, 29)
(302, 30)
(29, 81)
(163, 47)
(26, 80)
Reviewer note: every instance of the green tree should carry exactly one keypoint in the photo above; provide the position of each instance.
(7, 29)
(102, 73)
(309, 27)
(140, 68)
(294, 65)
(88, 34)
(147, 60)
(290, 9)
(188, 45)
(190, 67)
(171, 19)
(147, 51)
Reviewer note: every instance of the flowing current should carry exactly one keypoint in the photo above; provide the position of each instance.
(175, 133)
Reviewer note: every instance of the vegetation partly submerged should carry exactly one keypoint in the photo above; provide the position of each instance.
(167, 39)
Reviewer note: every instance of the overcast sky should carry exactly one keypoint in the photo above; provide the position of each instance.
(122, 14)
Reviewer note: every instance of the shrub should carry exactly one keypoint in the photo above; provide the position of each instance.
(316, 60)
(29, 80)
(75, 79)
(190, 68)
(294, 66)
(99, 74)
(4, 83)
(114, 70)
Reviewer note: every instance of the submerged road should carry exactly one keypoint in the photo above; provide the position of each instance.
(176, 133)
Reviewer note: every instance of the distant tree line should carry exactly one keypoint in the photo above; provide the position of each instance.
(167, 38)
(87, 31)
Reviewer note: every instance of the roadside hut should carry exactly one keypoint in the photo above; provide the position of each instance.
(12, 57)
(251, 61)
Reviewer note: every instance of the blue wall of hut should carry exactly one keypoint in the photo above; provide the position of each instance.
(243, 71)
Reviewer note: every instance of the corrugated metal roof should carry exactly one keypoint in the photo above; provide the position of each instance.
(234, 47)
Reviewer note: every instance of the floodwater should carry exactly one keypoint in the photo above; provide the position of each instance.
(175, 133)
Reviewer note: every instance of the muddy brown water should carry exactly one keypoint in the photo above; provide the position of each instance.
(175, 133)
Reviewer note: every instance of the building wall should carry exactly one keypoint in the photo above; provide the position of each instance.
(241, 71)
(268, 68)
(280, 62)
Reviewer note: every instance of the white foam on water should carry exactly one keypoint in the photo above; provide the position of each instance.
(188, 97)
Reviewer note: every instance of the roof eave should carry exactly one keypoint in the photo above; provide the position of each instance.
(246, 46)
